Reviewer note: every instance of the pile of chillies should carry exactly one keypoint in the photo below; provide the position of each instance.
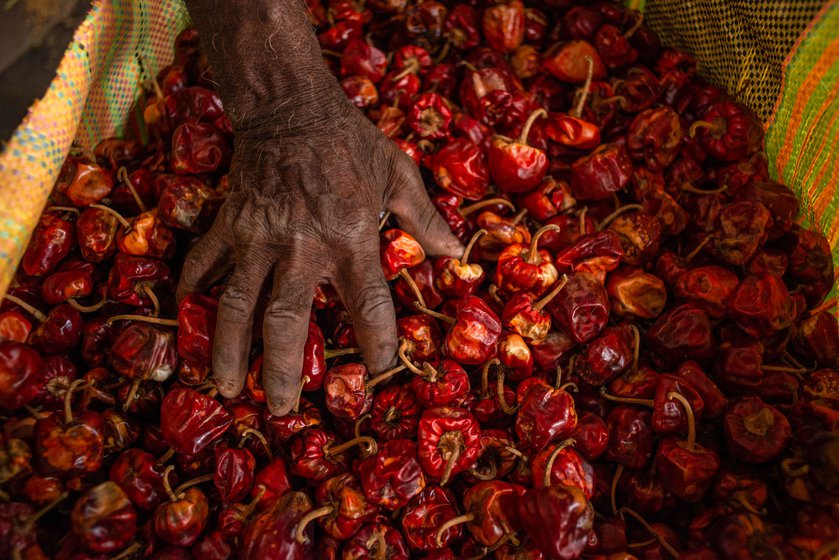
(635, 357)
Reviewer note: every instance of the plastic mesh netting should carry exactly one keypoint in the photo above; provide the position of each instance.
(738, 44)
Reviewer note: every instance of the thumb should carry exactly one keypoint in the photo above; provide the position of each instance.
(416, 213)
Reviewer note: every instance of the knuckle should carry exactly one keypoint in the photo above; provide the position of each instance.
(194, 266)
(285, 309)
(228, 214)
(256, 260)
(372, 303)
(236, 302)
(407, 170)
(280, 375)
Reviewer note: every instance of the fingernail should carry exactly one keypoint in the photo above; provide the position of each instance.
(279, 406)
(227, 388)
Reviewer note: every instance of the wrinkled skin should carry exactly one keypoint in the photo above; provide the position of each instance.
(309, 177)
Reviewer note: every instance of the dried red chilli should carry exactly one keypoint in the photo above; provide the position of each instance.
(690, 289)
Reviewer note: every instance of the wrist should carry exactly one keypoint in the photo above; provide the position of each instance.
(268, 65)
(302, 109)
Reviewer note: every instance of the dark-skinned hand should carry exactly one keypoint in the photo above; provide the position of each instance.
(304, 209)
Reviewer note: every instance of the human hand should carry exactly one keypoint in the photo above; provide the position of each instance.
(304, 205)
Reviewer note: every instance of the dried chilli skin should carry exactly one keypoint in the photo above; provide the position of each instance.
(615, 333)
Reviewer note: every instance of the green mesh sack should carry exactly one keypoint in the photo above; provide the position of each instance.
(781, 57)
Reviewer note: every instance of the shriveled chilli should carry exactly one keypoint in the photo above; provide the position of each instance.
(637, 334)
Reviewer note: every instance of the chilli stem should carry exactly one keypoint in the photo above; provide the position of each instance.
(570, 385)
(166, 456)
(582, 217)
(528, 124)
(664, 544)
(691, 419)
(611, 217)
(120, 218)
(703, 124)
(330, 353)
(132, 394)
(358, 423)
(444, 51)
(258, 435)
(453, 457)
(626, 400)
(793, 361)
(332, 450)
(431, 313)
(384, 376)
(477, 235)
(641, 544)
(609, 100)
(502, 400)
(194, 482)
(513, 451)
(407, 361)
(485, 375)
(403, 273)
(493, 293)
(493, 472)
(69, 209)
(30, 521)
(166, 486)
(144, 319)
(829, 304)
(410, 68)
(68, 398)
(39, 315)
(552, 294)
(128, 552)
(453, 522)
(87, 308)
(533, 256)
(784, 369)
(698, 248)
(299, 533)
(636, 349)
(146, 288)
(639, 20)
(305, 379)
(384, 220)
(122, 175)
(546, 481)
(484, 203)
(613, 489)
(578, 109)
(694, 190)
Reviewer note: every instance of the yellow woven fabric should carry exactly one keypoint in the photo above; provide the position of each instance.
(95, 86)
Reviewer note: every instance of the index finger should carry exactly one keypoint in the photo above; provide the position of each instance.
(205, 264)
(416, 213)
